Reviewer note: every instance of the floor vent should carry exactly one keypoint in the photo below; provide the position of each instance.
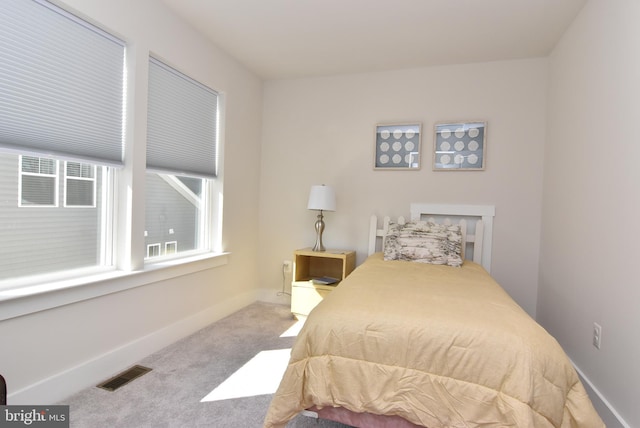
(124, 378)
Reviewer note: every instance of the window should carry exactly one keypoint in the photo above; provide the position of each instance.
(181, 159)
(153, 250)
(57, 237)
(38, 182)
(80, 185)
(61, 139)
(62, 102)
(174, 211)
(170, 247)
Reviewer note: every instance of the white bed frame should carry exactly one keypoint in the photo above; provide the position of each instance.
(476, 222)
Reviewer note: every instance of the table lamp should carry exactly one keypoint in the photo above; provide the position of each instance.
(321, 198)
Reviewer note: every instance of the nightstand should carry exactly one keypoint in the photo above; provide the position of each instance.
(308, 264)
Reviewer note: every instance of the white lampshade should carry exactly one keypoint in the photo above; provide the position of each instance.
(322, 198)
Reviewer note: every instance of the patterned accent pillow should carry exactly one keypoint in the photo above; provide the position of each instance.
(391, 248)
(424, 242)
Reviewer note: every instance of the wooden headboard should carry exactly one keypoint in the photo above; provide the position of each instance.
(476, 223)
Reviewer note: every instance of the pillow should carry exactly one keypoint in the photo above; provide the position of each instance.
(391, 249)
(424, 242)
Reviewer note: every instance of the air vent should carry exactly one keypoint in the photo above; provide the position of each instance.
(124, 378)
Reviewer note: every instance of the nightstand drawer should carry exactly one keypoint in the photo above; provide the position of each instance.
(305, 297)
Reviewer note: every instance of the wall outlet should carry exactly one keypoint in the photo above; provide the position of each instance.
(597, 335)
(286, 266)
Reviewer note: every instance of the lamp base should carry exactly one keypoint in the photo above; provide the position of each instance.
(319, 229)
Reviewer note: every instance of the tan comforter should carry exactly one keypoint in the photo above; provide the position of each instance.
(436, 345)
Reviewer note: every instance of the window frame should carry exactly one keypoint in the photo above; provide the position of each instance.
(166, 248)
(157, 246)
(65, 97)
(55, 176)
(166, 150)
(93, 179)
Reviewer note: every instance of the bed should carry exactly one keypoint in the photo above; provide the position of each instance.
(422, 340)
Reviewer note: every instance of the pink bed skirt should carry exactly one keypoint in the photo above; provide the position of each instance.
(364, 420)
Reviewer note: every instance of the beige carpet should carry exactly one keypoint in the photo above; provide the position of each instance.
(222, 376)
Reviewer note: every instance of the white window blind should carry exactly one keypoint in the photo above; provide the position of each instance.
(182, 124)
(61, 84)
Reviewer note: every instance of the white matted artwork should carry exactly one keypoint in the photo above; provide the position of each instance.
(398, 146)
(460, 146)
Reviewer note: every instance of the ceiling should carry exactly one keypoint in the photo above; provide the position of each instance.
(279, 39)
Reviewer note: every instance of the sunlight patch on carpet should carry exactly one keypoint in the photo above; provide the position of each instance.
(293, 330)
(260, 375)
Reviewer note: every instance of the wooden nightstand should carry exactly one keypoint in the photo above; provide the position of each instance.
(308, 264)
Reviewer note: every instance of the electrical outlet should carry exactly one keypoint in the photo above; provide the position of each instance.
(286, 266)
(597, 335)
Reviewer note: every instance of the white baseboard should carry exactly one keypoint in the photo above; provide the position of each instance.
(60, 386)
(608, 414)
(274, 296)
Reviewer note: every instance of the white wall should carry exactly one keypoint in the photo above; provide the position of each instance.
(321, 130)
(591, 200)
(51, 353)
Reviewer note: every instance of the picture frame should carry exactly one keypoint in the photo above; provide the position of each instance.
(460, 146)
(397, 146)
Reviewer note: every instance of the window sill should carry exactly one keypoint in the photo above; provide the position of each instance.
(39, 297)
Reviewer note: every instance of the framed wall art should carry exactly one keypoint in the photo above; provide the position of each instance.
(460, 146)
(398, 146)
